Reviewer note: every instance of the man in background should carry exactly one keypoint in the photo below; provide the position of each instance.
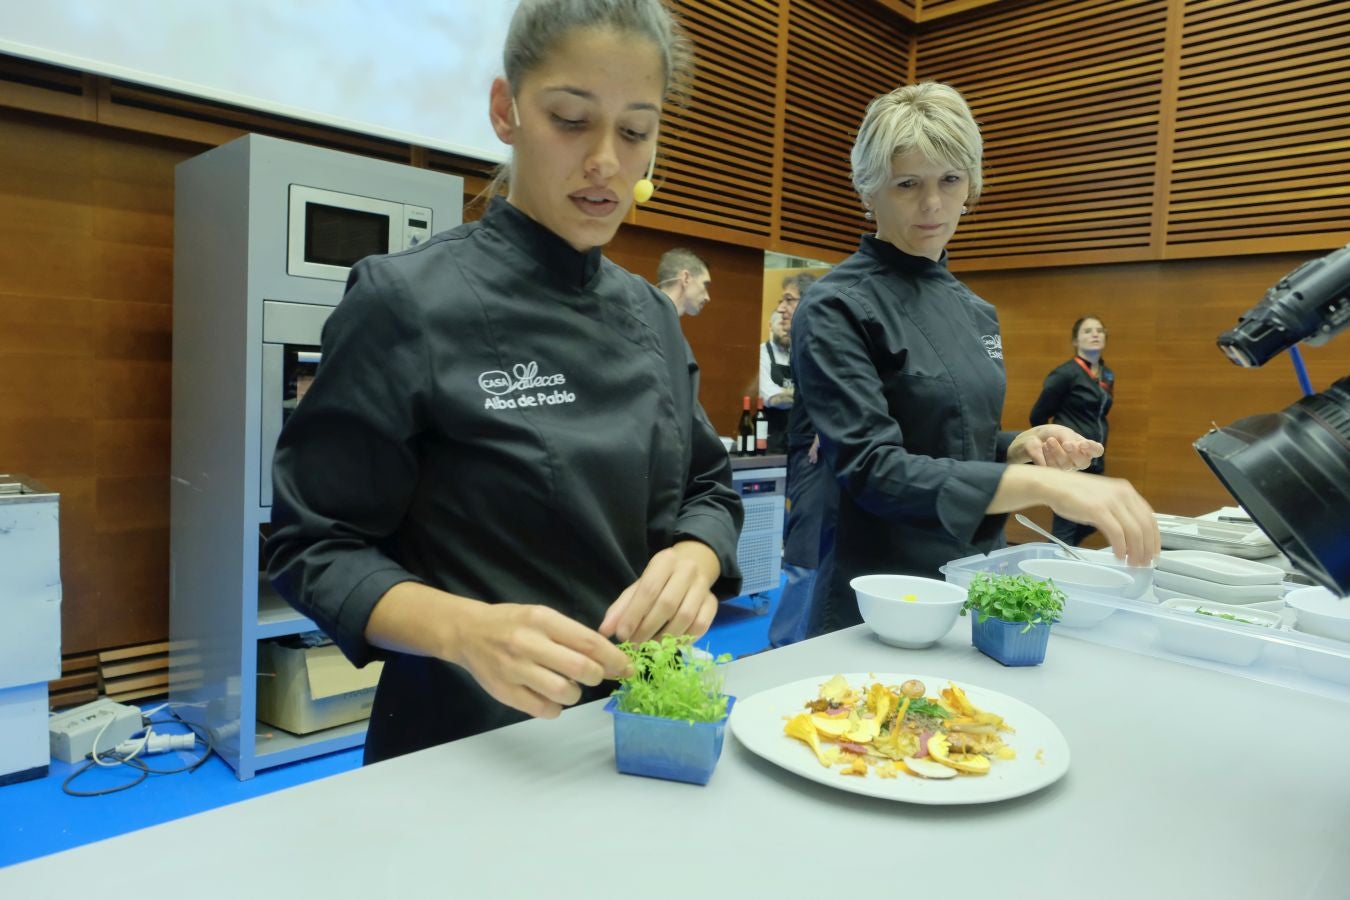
(684, 278)
(812, 499)
(775, 371)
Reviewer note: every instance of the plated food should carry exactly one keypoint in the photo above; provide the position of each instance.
(893, 729)
(1040, 752)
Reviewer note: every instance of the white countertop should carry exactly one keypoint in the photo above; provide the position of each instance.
(1183, 783)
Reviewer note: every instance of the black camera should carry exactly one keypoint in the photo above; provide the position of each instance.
(1291, 470)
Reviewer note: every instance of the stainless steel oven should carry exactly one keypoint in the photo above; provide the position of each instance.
(290, 358)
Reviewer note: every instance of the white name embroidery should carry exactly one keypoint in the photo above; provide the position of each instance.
(522, 377)
(993, 345)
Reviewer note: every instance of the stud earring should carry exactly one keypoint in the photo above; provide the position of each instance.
(867, 214)
(964, 210)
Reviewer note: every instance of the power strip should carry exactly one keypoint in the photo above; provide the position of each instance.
(72, 732)
(156, 743)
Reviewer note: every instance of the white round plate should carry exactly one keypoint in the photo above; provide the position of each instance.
(1042, 752)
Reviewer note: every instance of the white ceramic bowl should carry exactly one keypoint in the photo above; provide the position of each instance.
(910, 623)
(1073, 578)
(1142, 576)
(1318, 611)
(1237, 641)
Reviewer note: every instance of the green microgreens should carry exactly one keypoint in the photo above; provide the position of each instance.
(668, 681)
(1229, 616)
(925, 707)
(1014, 598)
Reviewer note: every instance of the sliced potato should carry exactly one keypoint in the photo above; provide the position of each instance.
(832, 726)
(969, 763)
(926, 768)
(863, 731)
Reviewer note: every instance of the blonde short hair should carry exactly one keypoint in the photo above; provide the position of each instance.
(930, 118)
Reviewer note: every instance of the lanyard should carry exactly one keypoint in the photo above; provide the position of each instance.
(1104, 385)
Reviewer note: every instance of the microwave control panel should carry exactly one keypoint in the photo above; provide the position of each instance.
(416, 226)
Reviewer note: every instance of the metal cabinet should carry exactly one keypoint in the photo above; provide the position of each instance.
(241, 321)
(30, 623)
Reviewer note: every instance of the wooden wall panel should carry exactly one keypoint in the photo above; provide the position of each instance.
(1067, 95)
(836, 64)
(716, 157)
(85, 347)
(1262, 143)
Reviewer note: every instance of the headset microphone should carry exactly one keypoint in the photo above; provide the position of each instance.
(643, 187)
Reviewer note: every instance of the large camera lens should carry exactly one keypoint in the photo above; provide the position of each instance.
(1310, 303)
(1291, 471)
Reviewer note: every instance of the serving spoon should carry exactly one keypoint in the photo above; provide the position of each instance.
(1041, 531)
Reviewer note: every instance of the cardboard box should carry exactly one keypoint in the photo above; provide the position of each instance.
(304, 689)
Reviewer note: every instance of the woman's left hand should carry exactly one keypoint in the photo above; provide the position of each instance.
(672, 596)
(1054, 446)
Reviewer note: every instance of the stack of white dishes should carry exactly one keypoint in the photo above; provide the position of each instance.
(1226, 538)
(1216, 577)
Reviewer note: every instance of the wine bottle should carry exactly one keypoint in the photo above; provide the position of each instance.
(761, 430)
(745, 444)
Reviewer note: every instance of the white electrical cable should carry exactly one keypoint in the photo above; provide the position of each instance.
(93, 748)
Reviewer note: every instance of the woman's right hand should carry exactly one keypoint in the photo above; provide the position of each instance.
(1111, 505)
(533, 658)
(528, 657)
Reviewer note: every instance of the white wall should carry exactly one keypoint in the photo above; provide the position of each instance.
(416, 71)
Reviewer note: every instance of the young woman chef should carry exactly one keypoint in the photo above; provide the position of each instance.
(502, 464)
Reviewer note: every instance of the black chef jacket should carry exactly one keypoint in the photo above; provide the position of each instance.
(1073, 398)
(501, 417)
(900, 369)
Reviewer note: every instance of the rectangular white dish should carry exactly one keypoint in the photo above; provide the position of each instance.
(1184, 533)
(1164, 582)
(1218, 567)
(1214, 631)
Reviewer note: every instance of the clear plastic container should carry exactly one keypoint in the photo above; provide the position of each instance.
(1282, 656)
(673, 749)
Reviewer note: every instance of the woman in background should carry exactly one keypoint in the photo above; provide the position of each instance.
(1079, 394)
(502, 464)
(900, 369)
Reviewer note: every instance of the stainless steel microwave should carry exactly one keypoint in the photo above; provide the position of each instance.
(329, 231)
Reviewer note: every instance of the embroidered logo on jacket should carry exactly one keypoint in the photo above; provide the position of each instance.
(524, 382)
(993, 345)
